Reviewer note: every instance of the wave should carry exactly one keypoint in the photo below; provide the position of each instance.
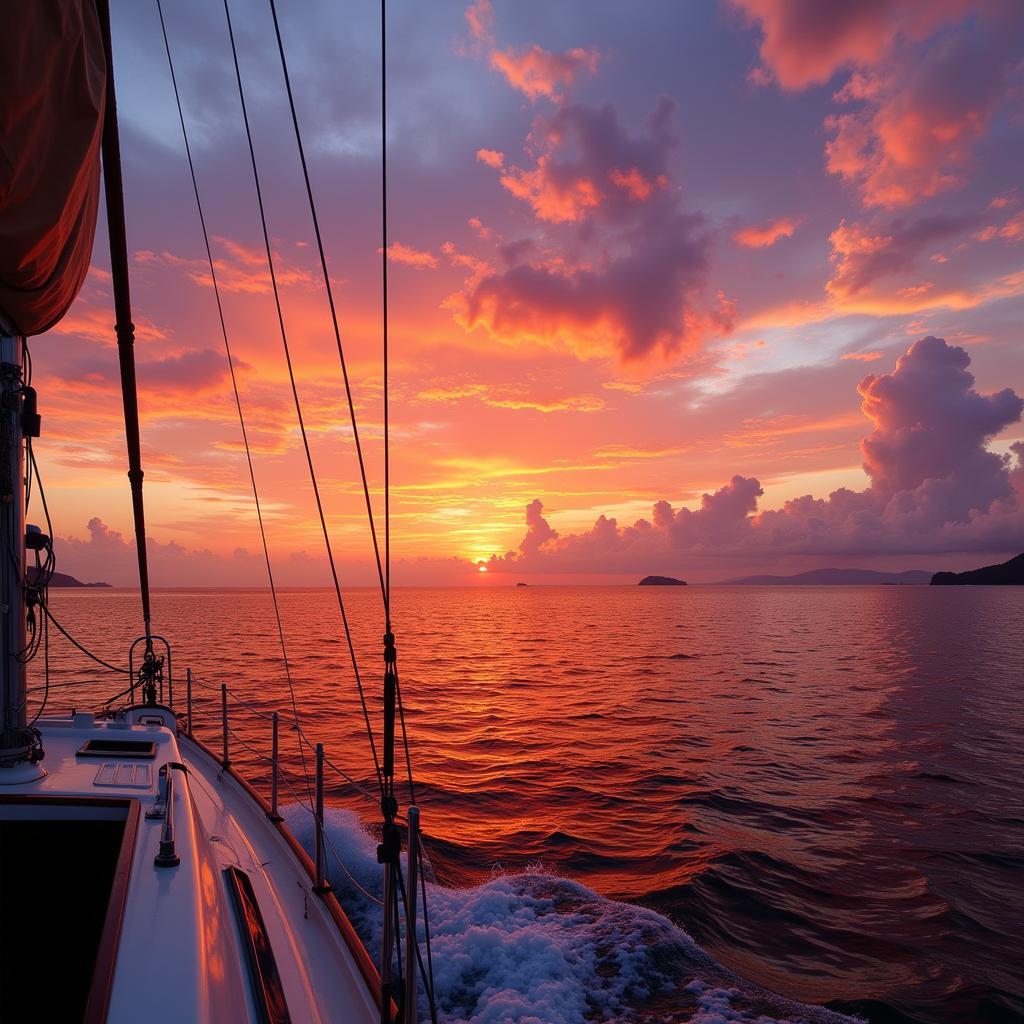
(534, 948)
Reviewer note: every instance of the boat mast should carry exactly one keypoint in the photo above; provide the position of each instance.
(124, 328)
(18, 744)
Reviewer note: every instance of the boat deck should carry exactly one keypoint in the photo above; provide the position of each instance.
(234, 931)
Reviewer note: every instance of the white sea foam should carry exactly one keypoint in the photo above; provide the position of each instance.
(532, 948)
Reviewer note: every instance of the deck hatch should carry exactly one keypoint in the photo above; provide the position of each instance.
(117, 748)
(64, 868)
(124, 774)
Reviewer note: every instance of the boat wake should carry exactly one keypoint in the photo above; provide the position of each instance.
(533, 948)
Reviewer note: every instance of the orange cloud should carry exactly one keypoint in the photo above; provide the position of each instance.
(536, 72)
(863, 254)
(917, 120)
(398, 252)
(591, 161)
(770, 430)
(492, 157)
(97, 324)
(243, 270)
(635, 283)
(761, 236)
(635, 184)
(480, 18)
(917, 111)
(1011, 230)
(502, 397)
(481, 229)
(806, 43)
(861, 357)
(552, 199)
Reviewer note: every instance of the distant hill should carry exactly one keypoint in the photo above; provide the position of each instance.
(1009, 573)
(838, 578)
(661, 581)
(62, 579)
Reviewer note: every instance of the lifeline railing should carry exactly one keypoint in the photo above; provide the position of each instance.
(418, 864)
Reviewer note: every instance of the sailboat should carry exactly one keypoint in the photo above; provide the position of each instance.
(142, 878)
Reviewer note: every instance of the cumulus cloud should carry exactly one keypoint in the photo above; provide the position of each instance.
(630, 278)
(538, 532)
(925, 83)
(805, 42)
(931, 427)
(587, 161)
(766, 234)
(915, 123)
(611, 263)
(935, 487)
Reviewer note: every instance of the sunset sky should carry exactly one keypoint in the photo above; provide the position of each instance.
(661, 278)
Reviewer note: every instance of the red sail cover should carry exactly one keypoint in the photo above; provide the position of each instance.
(52, 79)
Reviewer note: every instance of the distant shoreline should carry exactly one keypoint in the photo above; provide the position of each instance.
(114, 588)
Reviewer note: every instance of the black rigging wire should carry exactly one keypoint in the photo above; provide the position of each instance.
(39, 488)
(45, 625)
(82, 648)
(334, 314)
(295, 391)
(384, 305)
(234, 388)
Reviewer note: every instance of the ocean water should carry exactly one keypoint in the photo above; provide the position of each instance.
(647, 804)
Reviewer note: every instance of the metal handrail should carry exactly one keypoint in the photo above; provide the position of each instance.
(417, 857)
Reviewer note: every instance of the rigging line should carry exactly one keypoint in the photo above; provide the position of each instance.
(385, 595)
(330, 844)
(298, 403)
(348, 778)
(234, 387)
(410, 923)
(405, 740)
(384, 304)
(46, 671)
(39, 488)
(303, 738)
(84, 650)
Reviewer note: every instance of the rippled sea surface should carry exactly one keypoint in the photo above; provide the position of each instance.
(823, 787)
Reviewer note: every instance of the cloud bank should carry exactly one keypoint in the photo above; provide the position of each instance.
(935, 487)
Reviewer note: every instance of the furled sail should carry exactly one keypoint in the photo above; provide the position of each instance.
(52, 83)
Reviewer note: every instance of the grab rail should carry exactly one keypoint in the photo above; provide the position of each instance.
(313, 804)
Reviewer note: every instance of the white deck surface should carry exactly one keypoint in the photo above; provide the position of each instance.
(180, 959)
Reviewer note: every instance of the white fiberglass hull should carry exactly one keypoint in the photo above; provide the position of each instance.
(233, 932)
